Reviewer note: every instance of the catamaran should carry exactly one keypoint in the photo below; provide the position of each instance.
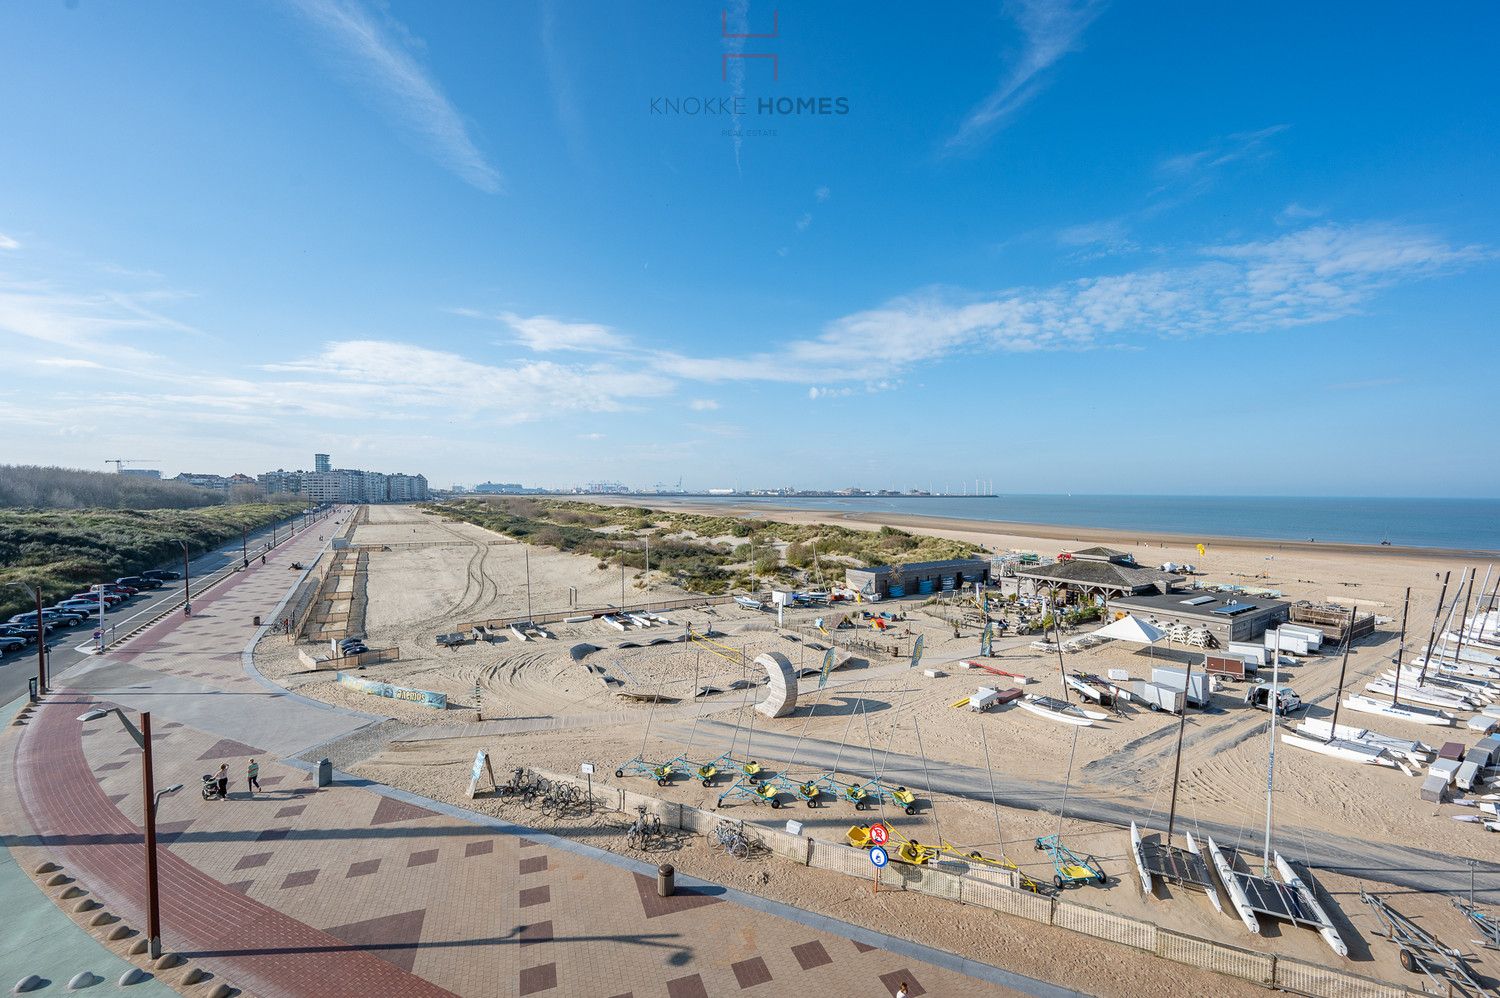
(1287, 898)
(1059, 710)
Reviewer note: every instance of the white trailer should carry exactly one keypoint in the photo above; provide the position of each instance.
(983, 699)
(1177, 679)
(1255, 655)
(1289, 642)
(1157, 697)
(1314, 634)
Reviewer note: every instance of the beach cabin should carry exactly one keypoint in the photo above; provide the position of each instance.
(923, 578)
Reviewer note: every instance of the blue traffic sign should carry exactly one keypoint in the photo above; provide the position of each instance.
(879, 857)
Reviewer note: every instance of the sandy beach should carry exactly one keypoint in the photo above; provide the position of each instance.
(546, 704)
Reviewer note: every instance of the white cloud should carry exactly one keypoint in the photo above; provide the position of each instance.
(544, 333)
(804, 221)
(1313, 275)
(400, 377)
(1217, 154)
(1051, 29)
(69, 362)
(7, 243)
(387, 74)
(703, 405)
(590, 436)
(822, 193)
(1295, 212)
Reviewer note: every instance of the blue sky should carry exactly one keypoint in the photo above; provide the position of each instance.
(1063, 246)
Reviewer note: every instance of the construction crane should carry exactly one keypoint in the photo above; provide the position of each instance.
(120, 462)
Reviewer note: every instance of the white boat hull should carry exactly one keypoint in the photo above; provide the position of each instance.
(1418, 694)
(1213, 895)
(1052, 715)
(1348, 751)
(1328, 932)
(520, 634)
(1232, 888)
(1400, 712)
(1139, 852)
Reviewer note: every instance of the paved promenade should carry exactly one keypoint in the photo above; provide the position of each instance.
(349, 890)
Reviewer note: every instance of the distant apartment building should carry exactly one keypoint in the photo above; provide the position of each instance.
(329, 485)
(204, 481)
(605, 488)
(500, 488)
(141, 472)
(405, 488)
(279, 482)
(321, 462)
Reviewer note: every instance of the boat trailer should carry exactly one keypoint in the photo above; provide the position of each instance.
(1424, 953)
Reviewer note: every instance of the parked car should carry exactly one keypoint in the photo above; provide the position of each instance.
(83, 606)
(162, 574)
(65, 618)
(112, 587)
(110, 599)
(26, 633)
(9, 644)
(139, 582)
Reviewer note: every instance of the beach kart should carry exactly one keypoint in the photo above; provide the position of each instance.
(852, 793)
(877, 792)
(756, 793)
(750, 770)
(1023, 881)
(703, 772)
(661, 772)
(1068, 867)
(810, 792)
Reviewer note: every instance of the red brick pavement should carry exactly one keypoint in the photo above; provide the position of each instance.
(258, 948)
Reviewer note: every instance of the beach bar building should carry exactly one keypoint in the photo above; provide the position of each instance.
(1226, 616)
(921, 578)
(1098, 571)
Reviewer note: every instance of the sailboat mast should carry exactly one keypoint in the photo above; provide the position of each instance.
(1271, 749)
(1432, 634)
(529, 617)
(1333, 732)
(1177, 766)
(1400, 647)
(1062, 672)
(994, 800)
(1463, 625)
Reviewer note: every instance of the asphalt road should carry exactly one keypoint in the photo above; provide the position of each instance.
(63, 645)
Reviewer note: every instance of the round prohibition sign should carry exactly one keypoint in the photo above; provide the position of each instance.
(878, 834)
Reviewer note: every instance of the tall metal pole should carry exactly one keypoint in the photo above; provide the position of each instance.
(1057, 634)
(1432, 635)
(528, 584)
(1271, 751)
(245, 545)
(1463, 622)
(1333, 732)
(1177, 766)
(622, 575)
(148, 789)
(187, 596)
(1400, 646)
(100, 642)
(41, 644)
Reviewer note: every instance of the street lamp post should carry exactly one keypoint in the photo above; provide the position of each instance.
(149, 800)
(41, 637)
(244, 547)
(187, 596)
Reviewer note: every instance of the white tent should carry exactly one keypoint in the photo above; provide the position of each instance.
(1132, 628)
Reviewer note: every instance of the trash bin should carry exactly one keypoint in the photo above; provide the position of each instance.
(666, 880)
(325, 772)
(31, 684)
(255, 620)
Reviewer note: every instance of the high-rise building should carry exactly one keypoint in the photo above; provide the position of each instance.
(321, 462)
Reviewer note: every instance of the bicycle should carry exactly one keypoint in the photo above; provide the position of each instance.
(732, 837)
(643, 829)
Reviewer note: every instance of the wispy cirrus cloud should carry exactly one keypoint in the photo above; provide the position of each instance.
(389, 76)
(1050, 29)
(1314, 275)
(8, 243)
(703, 405)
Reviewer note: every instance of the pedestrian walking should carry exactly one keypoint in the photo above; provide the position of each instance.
(902, 992)
(223, 780)
(252, 778)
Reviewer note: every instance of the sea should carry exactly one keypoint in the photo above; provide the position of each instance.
(1465, 524)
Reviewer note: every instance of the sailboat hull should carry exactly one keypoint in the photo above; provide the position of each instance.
(1327, 931)
(1139, 852)
(1232, 888)
(1416, 715)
